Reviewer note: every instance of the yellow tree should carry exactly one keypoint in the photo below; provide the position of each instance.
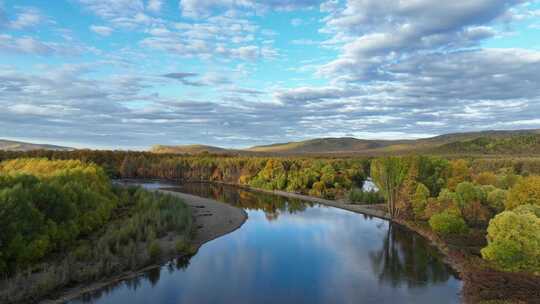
(526, 191)
(460, 173)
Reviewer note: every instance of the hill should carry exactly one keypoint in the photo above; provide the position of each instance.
(9, 145)
(190, 149)
(483, 142)
(519, 144)
(326, 145)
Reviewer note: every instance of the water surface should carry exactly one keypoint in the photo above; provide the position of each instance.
(291, 251)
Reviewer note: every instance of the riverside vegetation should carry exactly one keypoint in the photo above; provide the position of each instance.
(63, 223)
(484, 211)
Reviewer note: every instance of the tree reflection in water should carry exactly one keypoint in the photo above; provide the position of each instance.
(406, 258)
(308, 248)
(271, 205)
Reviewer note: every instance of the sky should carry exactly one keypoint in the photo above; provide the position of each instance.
(128, 74)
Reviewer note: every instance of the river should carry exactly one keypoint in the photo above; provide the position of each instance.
(291, 251)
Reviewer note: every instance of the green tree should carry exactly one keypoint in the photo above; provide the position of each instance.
(496, 199)
(420, 199)
(388, 174)
(514, 241)
(447, 223)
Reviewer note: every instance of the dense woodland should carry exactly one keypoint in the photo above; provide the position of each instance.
(519, 144)
(61, 216)
(455, 200)
(496, 200)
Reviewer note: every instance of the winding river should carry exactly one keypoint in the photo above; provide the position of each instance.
(291, 251)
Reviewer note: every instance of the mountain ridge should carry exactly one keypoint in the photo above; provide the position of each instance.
(12, 145)
(451, 143)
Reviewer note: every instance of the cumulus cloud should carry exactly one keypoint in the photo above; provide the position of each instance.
(402, 69)
(219, 36)
(372, 39)
(473, 89)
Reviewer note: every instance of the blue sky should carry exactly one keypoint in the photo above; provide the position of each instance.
(235, 73)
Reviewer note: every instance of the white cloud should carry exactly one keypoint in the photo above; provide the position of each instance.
(27, 18)
(200, 8)
(403, 67)
(297, 22)
(127, 14)
(32, 46)
(371, 39)
(110, 9)
(41, 110)
(220, 36)
(154, 5)
(101, 30)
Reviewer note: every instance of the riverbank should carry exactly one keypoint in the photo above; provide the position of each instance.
(212, 219)
(481, 282)
(371, 210)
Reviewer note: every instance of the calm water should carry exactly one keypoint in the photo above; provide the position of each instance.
(290, 251)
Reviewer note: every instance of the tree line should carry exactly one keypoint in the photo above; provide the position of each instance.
(451, 195)
(454, 199)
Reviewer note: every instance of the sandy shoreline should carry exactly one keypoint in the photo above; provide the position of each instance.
(212, 219)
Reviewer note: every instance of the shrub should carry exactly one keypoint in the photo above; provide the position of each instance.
(154, 250)
(318, 189)
(365, 197)
(514, 241)
(420, 200)
(525, 191)
(181, 246)
(448, 223)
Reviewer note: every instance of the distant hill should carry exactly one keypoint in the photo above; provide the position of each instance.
(9, 145)
(506, 142)
(326, 145)
(190, 149)
(484, 142)
(528, 144)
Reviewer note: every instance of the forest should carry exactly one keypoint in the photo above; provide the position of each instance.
(489, 208)
(57, 216)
